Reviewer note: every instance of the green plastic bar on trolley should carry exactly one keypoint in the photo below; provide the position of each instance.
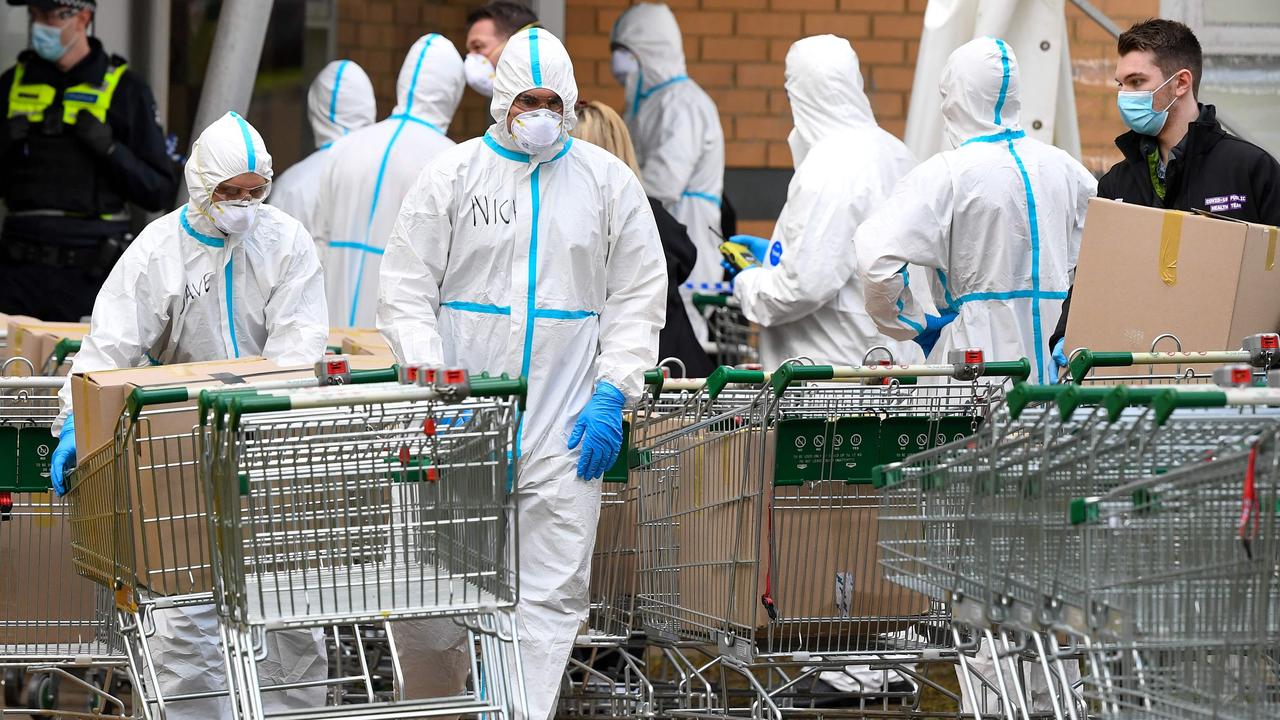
(1169, 400)
(1086, 360)
(791, 372)
(1069, 398)
(714, 384)
(146, 397)
(346, 396)
(65, 347)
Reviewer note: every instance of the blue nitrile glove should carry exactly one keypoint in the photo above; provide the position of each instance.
(757, 245)
(1060, 355)
(64, 456)
(933, 325)
(599, 429)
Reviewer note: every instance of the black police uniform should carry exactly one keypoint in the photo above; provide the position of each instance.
(76, 146)
(1208, 170)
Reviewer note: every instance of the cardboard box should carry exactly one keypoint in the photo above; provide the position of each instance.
(1145, 271)
(821, 568)
(35, 340)
(360, 341)
(42, 599)
(158, 468)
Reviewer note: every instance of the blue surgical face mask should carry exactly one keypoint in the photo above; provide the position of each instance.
(46, 40)
(1138, 111)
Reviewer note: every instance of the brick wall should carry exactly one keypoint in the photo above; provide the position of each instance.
(735, 50)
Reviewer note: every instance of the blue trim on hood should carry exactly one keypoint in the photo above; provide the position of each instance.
(333, 99)
(535, 59)
(503, 152)
(248, 142)
(996, 137)
(646, 94)
(1004, 83)
(204, 239)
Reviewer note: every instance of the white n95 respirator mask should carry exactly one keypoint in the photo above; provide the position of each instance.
(234, 216)
(624, 64)
(479, 73)
(536, 130)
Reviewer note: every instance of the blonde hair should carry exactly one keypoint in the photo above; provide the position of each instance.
(600, 125)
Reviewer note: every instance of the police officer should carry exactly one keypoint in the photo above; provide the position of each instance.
(79, 140)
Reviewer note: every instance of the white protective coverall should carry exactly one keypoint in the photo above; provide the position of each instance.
(340, 101)
(370, 170)
(547, 266)
(678, 139)
(996, 222)
(810, 304)
(185, 292)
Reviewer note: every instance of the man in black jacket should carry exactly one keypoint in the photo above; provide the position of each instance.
(79, 140)
(1176, 155)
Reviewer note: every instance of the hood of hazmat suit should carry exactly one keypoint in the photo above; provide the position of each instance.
(810, 303)
(996, 222)
(184, 291)
(341, 101)
(369, 171)
(676, 130)
(547, 266)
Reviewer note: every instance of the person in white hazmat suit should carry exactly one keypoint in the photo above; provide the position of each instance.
(339, 102)
(224, 276)
(805, 292)
(530, 253)
(370, 170)
(996, 222)
(675, 127)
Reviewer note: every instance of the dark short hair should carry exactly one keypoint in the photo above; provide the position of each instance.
(1174, 45)
(508, 17)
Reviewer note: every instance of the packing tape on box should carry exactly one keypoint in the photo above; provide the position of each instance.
(1170, 238)
(1271, 248)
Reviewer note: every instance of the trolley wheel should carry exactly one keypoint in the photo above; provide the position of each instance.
(12, 687)
(46, 694)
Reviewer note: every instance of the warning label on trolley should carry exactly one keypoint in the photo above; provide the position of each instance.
(810, 449)
(24, 458)
(904, 436)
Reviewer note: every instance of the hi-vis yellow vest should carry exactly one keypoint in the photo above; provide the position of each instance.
(32, 100)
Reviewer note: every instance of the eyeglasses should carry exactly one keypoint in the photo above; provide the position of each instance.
(526, 102)
(227, 191)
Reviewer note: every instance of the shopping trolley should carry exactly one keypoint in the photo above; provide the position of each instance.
(1185, 598)
(984, 524)
(614, 672)
(138, 514)
(731, 338)
(757, 531)
(365, 505)
(55, 627)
